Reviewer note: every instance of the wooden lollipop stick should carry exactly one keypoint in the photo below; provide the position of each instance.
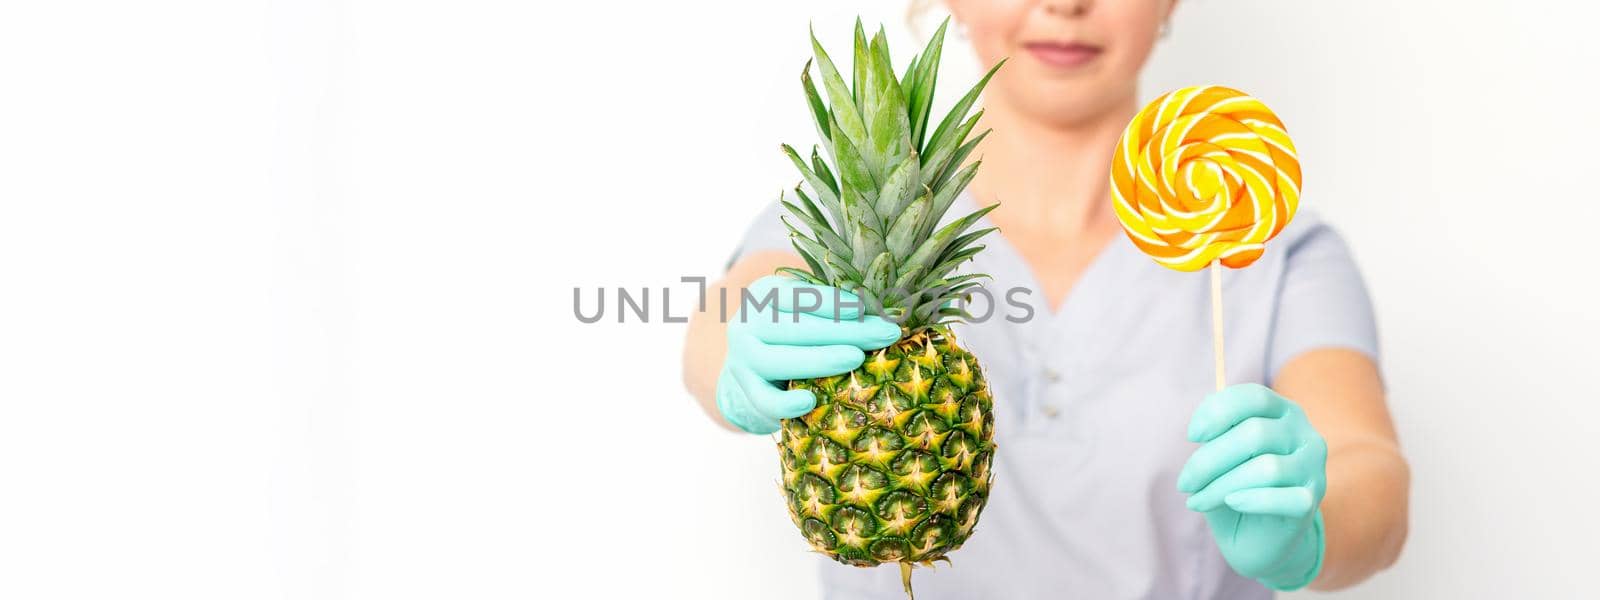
(1216, 322)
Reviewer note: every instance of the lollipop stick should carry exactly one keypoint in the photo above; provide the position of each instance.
(1216, 322)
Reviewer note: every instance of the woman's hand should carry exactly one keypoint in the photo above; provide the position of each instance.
(804, 331)
(1259, 478)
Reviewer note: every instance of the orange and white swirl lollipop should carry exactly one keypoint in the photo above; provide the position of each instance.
(1205, 176)
(1202, 175)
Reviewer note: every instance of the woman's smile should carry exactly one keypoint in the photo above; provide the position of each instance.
(1063, 55)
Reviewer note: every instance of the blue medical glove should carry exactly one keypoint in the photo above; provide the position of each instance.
(805, 331)
(1259, 478)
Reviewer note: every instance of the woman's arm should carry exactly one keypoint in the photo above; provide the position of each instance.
(707, 342)
(1365, 507)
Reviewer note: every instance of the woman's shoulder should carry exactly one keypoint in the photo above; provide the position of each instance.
(1307, 223)
(1308, 232)
(1308, 247)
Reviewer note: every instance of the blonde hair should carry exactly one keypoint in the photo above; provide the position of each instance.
(916, 10)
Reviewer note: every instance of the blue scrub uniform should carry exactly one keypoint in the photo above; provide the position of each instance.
(1092, 402)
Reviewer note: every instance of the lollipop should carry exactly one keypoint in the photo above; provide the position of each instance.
(1205, 176)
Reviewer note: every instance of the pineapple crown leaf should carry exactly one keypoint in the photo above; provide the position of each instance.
(819, 111)
(871, 220)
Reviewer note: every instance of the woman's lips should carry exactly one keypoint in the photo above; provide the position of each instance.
(1063, 55)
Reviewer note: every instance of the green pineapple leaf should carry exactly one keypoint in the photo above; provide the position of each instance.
(811, 262)
(959, 244)
(899, 190)
(845, 118)
(801, 275)
(840, 269)
(903, 234)
(947, 287)
(940, 276)
(950, 264)
(958, 113)
(954, 314)
(962, 242)
(926, 309)
(853, 171)
(811, 207)
(859, 61)
(945, 196)
(803, 242)
(926, 76)
(889, 126)
(929, 251)
(907, 82)
(823, 233)
(823, 172)
(867, 243)
(934, 166)
(819, 111)
(960, 157)
(877, 273)
(825, 192)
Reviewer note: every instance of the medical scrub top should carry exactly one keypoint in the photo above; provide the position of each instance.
(1092, 400)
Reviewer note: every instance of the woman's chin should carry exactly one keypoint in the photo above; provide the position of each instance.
(1069, 105)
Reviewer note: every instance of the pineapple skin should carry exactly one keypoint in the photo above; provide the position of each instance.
(894, 463)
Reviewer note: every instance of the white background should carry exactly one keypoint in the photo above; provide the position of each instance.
(286, 287)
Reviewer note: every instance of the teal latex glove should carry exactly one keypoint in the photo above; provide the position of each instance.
(1259, 478)
(795, 337)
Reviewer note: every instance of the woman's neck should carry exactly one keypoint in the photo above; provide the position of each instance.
(1049, 179)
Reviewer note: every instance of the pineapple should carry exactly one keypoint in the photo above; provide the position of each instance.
(893, 465)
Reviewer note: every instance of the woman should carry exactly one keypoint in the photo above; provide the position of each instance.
(1116, 476)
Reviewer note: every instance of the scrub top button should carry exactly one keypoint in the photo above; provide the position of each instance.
(1050, 410)
(1052, 375)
